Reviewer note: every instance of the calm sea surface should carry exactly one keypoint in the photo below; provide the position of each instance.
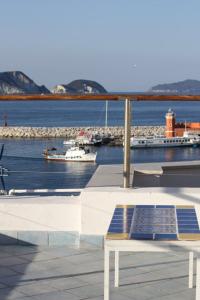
(93, 113)
(24, 157)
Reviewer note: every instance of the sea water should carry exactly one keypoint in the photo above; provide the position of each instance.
(87, 113)
(23, 157)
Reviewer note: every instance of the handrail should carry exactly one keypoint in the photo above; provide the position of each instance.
(98, 97)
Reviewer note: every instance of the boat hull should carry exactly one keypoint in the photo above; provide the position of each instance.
(87, 158)
(68, 160)
(164, 146)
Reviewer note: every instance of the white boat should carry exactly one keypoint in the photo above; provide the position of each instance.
(188, 139)
(80, 154)
(84, 139)
(70, 142)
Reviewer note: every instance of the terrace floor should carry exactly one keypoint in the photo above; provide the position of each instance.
(162, 174)
(32, 273)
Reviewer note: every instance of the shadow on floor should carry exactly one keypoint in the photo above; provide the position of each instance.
(11, 255)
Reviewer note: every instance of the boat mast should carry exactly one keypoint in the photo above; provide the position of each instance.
(106, 116)
(185, 127)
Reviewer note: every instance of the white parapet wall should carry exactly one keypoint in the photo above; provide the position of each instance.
(75, 220)
(47, 220)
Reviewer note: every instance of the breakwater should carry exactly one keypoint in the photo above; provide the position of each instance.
(71, 132)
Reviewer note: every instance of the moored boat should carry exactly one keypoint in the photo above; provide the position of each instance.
(79, 154)
(188, 139)
(70, 142)
(85, 138)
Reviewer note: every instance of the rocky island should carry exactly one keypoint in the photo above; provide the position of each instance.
(17, 82)
(188, 87)
(80, 86)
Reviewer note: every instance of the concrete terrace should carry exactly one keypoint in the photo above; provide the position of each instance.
(73, 228)
(60, 273)
(161, 174)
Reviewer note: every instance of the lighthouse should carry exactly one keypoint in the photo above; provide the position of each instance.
(170, 123)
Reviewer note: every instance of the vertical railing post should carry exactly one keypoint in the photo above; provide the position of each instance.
(127, 136)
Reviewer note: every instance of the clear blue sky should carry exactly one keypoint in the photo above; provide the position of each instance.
(56, 41)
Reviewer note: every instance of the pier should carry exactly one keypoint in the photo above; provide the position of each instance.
(72, 132)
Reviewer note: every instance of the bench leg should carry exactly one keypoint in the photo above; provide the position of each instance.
(116, 268)
(106, 273)
(191, 269)
(198, 279)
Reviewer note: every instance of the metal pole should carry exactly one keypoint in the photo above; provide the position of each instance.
(198, 278)
(127, 136)
(106, 117)
(191, 269)
(106, 272)
(116, 268)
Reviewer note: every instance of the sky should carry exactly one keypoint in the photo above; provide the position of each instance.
(125, 45)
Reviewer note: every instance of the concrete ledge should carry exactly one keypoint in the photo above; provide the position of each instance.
(51, 238)
(40, 238)
(91, 241)
(8, 237)
(32, 238)
(59, 238)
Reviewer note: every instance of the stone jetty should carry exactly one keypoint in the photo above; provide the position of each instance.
(71, 132)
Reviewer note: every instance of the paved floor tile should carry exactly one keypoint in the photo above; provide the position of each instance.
(93, 278)
(40, 273)
(26, 298)
(57, 296)
(36, 288)
(83, 258)
(52, 253)
(67, 283)
(18, 249)
(6, 272)
(188, 294)
(114, 296)
(4, 254)
(9, 293)
(11, 261)
(12, 281)
(88, 291)
(152, 290)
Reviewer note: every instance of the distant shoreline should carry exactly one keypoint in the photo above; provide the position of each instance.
(71, 132)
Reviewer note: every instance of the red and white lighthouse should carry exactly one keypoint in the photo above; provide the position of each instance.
(170, 123)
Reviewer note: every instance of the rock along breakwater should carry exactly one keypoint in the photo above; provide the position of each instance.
(72, 132)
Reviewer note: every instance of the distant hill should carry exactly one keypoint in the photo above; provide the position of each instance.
(80, 86)
(189, 86)
(17, 82)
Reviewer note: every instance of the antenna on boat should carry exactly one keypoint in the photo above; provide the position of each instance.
(106, 116)
(185, 127)
(3, 172)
